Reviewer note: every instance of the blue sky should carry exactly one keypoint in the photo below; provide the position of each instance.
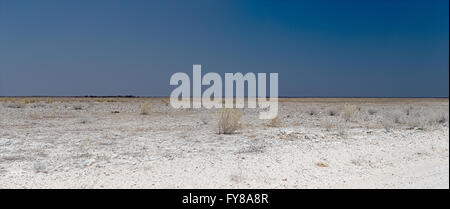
(319, 48)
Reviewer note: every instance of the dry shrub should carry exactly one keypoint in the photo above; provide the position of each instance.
(332, 112)
(15, 105)
(165, 101)
(387, 124)
(30, 100)
(391, 118)
(40, 167)
(229, 120)
(146, 108)
(312, 112)
(372, 111)
(415, 118)
(342, 129)
(416, 121)
(437, 118)
(397, 117)
(275, 122)
(425, 117)
(350, 112)
(78, 107)
(408, 110)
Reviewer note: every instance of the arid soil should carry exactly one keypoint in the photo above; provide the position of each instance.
(144, 143)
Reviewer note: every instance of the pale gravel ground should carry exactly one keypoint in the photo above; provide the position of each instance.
(55, 146)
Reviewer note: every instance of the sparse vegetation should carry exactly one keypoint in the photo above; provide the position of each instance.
(78, 107)
(39, 167)
(252, 149)
(350, 112)
(275, 122)
(342, 129)
(16, 105)
(408, 110)
(146, 108)
(414, 118)
(332, 112)
(229, 120)
(397, 117)
(312, 112)
(28, 101)
(387, 124)
(165, 101)
(372, 111)
(437, 118)
(85, 120)
(52, 139)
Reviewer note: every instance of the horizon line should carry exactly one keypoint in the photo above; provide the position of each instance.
(133, 96)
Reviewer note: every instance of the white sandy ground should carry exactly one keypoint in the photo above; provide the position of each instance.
(56, 146)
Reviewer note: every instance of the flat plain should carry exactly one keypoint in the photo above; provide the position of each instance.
(145, 143)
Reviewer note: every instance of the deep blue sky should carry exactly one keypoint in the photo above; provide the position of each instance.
(319, 48)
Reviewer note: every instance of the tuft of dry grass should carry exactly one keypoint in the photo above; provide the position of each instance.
(30, 100)
(342, 129)
(165, 101)
(387, 124)
(350, 112)
(16, 105)
(421, 118)
(78, 107)
(332, 112)
(372, 111)
(146, 108)
(437, 118)
(312, 112)
(408, 110)
(275, 122)
(229, 120)
(40, 167)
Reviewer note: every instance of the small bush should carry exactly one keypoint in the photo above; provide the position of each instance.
(78, 107)
(397, 117)
(408, 110)
(166, 102)
(146, 108)
(416, 122)
(40, 167)
(350, 112)
(372, 111)
(275, 122)
(15, 105)
(442, 119)
(328, 125)
(342, 129)
(437, 118)
(332, 112)
(387, 124)
(312, 112)
(229, 120)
